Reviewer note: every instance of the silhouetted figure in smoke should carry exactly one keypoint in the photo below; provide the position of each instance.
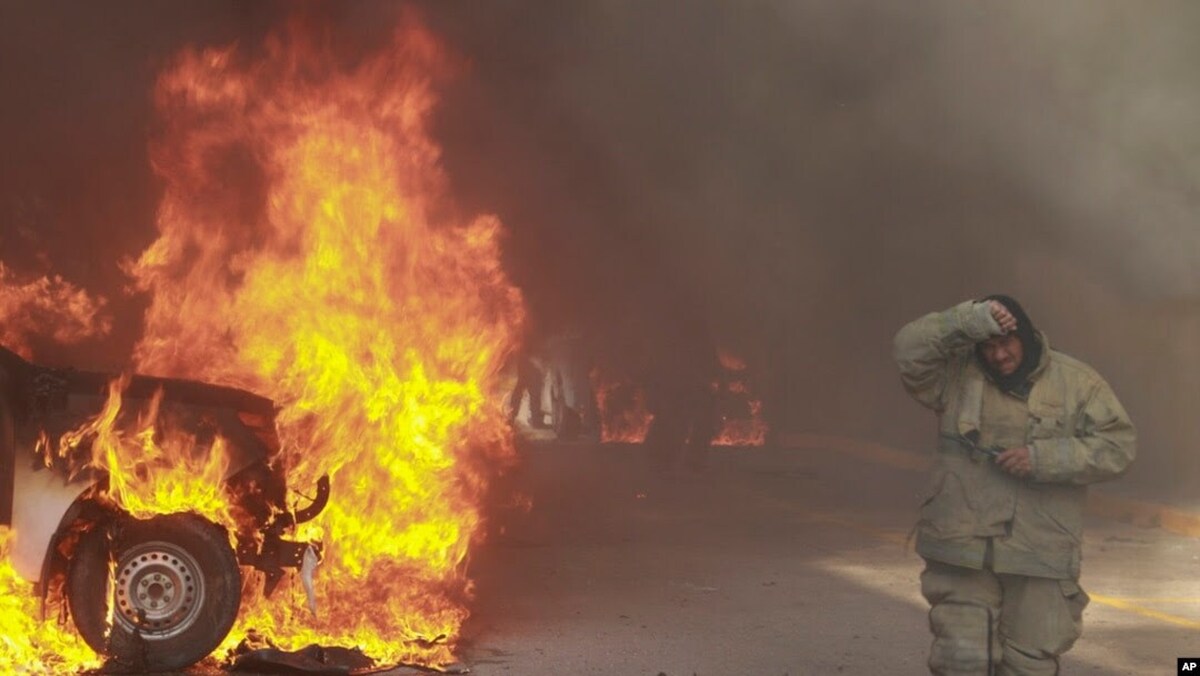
(679, 393)
(530, 379)
(567, 367)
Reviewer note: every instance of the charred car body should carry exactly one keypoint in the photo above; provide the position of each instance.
(173, 581)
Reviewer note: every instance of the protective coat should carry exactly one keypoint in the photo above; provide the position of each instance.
(1076, 430)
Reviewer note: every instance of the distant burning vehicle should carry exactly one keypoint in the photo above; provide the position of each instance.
(150, 590)
(625, 415)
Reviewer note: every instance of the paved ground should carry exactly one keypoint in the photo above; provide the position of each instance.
(778, 561)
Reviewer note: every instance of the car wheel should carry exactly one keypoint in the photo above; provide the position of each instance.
(174, 587)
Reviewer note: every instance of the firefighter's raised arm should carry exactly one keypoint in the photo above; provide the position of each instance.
(927, 349)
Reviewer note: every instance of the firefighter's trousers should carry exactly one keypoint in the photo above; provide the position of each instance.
(985, 623)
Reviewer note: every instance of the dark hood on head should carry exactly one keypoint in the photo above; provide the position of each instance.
(1017, 381)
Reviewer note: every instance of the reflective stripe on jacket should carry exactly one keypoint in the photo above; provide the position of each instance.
(1076, 430)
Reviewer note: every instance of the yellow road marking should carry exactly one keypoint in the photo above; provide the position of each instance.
(1121, 604)
(1154, 600)
(1129, 605)
(1168, 518)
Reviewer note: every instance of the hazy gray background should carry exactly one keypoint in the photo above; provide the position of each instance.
(805, 175)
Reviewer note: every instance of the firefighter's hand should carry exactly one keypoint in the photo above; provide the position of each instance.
(1003, 317)
(1016, 461)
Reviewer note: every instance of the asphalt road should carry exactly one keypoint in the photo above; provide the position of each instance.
(776, 561)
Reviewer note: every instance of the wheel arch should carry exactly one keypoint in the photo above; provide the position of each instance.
(42, 511)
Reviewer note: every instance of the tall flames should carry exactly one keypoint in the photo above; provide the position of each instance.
(308, 252)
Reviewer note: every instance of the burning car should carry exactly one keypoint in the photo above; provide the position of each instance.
(149, 590)
(626, 408)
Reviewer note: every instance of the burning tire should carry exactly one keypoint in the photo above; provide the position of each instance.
(174, 589)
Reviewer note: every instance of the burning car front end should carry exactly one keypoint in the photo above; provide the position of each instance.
(150, 574)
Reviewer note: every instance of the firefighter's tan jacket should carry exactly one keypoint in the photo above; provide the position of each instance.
(1075, 428)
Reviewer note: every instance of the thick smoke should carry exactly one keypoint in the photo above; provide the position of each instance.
(806, 176)
(815, 174)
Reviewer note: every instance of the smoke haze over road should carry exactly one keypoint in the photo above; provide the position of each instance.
(806, 176)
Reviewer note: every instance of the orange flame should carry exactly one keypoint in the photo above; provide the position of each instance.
(745, 426)
(625, 418)
(307, 252)
(743, 431)
(47, 306)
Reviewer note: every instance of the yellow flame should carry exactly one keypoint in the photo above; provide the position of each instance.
(342, 284)
(152, 470)
(349, 292)
(29, 644)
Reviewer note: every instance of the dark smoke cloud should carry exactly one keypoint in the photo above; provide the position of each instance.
(818, 173)
(805, 175)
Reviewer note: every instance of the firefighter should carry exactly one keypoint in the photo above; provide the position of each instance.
(1023, 429)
